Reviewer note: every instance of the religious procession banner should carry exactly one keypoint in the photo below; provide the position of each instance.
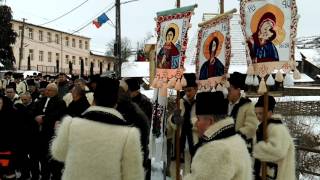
(269, 27)
(172, 29)
(213, 52)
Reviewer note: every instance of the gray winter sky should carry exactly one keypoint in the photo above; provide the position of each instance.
(137, 17)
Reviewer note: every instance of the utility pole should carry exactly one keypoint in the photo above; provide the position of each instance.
(21, 43)
(221, 6)
(117, 47)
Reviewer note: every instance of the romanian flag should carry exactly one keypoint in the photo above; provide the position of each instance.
(103, 18)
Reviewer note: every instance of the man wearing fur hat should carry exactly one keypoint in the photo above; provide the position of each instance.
(101, 144)
(186, 117)
(278, 149)
(241, 109)
(221, 153)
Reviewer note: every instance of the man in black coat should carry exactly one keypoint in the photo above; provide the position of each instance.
(28, 156)
(50, 110)
(79, 103)
(142, 100)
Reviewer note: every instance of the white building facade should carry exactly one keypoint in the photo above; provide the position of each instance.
(50, 51)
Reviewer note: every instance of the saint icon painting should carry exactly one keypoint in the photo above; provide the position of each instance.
(213, 66)
(169, 54)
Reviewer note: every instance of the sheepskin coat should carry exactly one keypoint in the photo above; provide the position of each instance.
(226, 158)
(246, 122)
(278, 151)
(99, 151)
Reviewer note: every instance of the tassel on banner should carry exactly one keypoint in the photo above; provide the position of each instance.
(227, 84)
(225, 91)
(256, 81)
(250, 70)
(288, 81)
(183, 82)
(219, 88)
(249, 80)
(270, 81)
(178, 85)
(159, 83)
(262, 86)
(207, 88)
(213, 89)
(164, 90)
(296, 74)
(154, 82)
(279, 76)
(172, 83)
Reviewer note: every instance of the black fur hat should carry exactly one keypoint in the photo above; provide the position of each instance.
(211, 103)
(191, 79)
(271, 102)
(237, 80)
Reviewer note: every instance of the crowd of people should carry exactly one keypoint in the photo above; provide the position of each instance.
(98, 128)
(33, 147)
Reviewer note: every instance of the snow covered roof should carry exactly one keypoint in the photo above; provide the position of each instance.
(312, 56)
(135, 69)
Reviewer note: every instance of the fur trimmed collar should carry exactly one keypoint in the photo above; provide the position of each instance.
(104, 109)
(218, 127)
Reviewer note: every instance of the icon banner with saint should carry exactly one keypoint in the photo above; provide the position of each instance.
(269, 27)
(172, 29)
(213, 51)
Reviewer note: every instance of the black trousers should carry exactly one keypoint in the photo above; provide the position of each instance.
(186, 135)
(50, 169)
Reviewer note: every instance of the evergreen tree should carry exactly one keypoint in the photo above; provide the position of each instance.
(7, 37)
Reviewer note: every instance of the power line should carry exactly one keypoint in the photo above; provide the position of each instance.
(91, 21)
(65, 13)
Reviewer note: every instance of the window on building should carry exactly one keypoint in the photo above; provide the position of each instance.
(67, 41)
(57, 40)
(57, 56)
(86, 61)
(73, 42)
(67, 59)
(73, 60)
(49, 37)
(40, 35)
(31, 54)
(20, 31)
(30, 33)
(80, 44)
(49, 56)
(86, 45)
(109, 65)
(40, 56)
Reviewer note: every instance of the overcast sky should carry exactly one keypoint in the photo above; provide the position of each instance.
(137, 18)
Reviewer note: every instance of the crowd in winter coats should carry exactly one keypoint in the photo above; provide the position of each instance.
(98, 128)
(30, 119)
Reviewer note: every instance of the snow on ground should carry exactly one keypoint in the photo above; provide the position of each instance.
(135, 69)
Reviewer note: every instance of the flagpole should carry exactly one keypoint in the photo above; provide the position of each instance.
(177, 134)
(117, 47)
(221, 6)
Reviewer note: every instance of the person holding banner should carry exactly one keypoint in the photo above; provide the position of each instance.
(241, 109)
(186, 117)
(278, 149)
(221, 153)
